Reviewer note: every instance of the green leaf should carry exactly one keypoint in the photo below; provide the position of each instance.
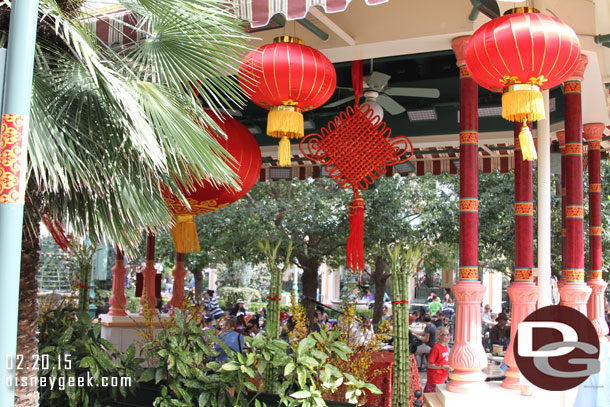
(305, 345)
(289, 369)
(301, 394)
(230, 366)
(66, 336)
(372, 388)
(159, 374)
(203, 399)
(87, 361)
(249, 385)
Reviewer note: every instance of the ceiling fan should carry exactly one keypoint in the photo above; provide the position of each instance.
(377, 92)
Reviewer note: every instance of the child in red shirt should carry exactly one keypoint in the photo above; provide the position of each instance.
(438, 361)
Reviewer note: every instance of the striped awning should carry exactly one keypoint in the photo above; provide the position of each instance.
(259, 12)
(434, 161)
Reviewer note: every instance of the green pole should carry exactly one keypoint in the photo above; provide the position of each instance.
(15, 124)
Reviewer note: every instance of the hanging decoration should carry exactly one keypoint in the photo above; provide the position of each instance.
(287, 78)
(355, 149)
(56, 231)
(205, 196)
(520, 54)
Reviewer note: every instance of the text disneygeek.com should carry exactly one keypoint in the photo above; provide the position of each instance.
(16, 364)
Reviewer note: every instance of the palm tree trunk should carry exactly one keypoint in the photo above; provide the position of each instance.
(27, 339)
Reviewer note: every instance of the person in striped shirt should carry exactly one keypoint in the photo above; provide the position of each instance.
(212, 309)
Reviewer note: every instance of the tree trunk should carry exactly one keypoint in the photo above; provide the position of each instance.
(309, 280)
(27, 338)
(380, 277)
(198, 274)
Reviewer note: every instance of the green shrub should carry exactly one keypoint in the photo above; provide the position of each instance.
(365, 313)
(232, 294)
(185, 369)
(255, 306)
(73, 348)
(222, 303)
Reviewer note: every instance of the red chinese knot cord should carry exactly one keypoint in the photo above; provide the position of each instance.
(56, 231)
(400, 302)
(356, 149)
(276, 298)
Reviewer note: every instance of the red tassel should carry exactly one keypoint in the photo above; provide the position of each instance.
(57, 232)
(355, 245)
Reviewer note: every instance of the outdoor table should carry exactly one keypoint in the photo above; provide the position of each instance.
(495, 358)
(381, 372)
(495, 374)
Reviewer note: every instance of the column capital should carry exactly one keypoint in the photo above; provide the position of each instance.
(561, 137)
(579, 72)
(459, 45)
(593, 131)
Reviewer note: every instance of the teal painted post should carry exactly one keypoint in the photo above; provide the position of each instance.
(15, 120)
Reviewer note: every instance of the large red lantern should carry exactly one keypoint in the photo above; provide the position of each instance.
(206, 197)
(520, 54)
(287, 78)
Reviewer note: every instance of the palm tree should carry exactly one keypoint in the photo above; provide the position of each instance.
(108, 125)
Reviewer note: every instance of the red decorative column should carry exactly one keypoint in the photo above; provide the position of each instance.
(117, 298)
(574, 293)
(179, 272)
(148, 301)
(523, 292)
(593, 133)
(561, 137)
(467, 358)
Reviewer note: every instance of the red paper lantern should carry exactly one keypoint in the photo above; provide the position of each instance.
(520, 54)
(206, 197)
(287, 78)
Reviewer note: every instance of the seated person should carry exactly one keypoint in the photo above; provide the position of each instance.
(435, 306)
(428, 339)
(367, 294)
(365, 334)
(233, 339)
(239, 309)
(500, 334)
(438, 319)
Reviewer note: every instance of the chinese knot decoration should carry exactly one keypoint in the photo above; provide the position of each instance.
(287, 78)
(356, 148)
(204, 196)
(520, 54)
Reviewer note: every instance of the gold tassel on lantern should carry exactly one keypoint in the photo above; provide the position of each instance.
(528, 149)
(184, 234)
(522, 102)
(285, 122)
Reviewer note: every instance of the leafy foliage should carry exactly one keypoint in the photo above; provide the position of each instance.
(75, 351)
(185, 368)
(232, 294)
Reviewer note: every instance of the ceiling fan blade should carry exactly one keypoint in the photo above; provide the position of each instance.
(413, 92)
(378, 80)
(390, 105)
(489, 8)
(340, 102)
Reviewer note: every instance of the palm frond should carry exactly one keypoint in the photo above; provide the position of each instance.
(107, 127)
